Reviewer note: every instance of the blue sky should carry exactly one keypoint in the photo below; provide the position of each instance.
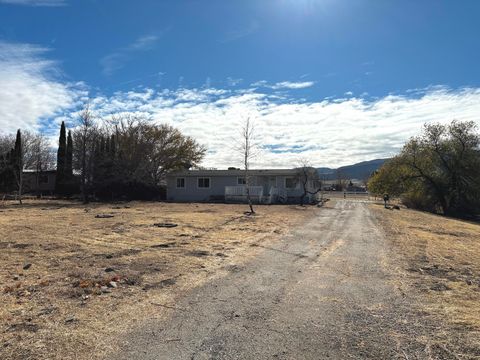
(342, 63)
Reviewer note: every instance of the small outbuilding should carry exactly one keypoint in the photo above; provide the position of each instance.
(39, 182)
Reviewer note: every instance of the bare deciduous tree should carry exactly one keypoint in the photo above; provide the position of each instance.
(84, 140)
(309, 180)
(128, 155)
(341, 180)
(248, 147)
(39, 156)
(6, 143)
(34, 153)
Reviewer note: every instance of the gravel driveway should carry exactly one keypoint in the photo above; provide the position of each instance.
(322, 292)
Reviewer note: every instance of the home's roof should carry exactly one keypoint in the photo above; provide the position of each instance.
(29, 171)
(252, 172)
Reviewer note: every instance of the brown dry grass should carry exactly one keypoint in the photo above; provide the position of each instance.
(438, 264)
(57, 309)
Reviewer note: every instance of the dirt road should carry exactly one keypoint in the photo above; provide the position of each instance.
(322, 292)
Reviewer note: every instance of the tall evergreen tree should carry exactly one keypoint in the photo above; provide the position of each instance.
(61, 161)
(69, 180)
(69, 157)
(17, 162)
(18, 150)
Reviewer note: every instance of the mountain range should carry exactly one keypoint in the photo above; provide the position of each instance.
(358, 171)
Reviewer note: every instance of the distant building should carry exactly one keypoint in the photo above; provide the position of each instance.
(356, 188)
(266, 186)
(39, 182)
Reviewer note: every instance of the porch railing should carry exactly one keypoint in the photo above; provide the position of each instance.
(242, 190)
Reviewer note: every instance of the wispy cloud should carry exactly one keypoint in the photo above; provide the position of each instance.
(146, 42)
(241, 32)
(50, 3)
(329, 75)
(31, 89)
(117, 60)
(284, 85)
(233, 82)
(293, 85)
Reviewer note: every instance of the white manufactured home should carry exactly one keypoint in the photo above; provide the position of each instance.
(266, 186)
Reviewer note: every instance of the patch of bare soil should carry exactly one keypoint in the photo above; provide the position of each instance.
(75, 278)
(437, 263)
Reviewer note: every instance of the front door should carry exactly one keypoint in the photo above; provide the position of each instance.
(272, 182)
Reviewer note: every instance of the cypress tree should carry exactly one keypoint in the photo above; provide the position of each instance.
(61, 161)
(11, 159)
(69, 165)
(69, 157)
(17, 160)
(17, 150)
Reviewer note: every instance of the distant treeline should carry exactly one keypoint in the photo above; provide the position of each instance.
(126, 157)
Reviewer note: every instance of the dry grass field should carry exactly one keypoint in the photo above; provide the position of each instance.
(438, 264)
(72, 282)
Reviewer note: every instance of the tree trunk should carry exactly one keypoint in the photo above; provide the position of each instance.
(83, 184)
(19, 181)
(444, 205)
(20, 186)
(247, 177)
(302, 199)
(249, 199)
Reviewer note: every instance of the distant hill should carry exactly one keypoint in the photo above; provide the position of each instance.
(359, 171)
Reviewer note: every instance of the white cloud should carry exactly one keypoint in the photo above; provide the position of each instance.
(328, 133)
(30, 89)
(293, 85)
(261, 83)
(117, 60)
(50, 3)
(289, 85)
(144, 42)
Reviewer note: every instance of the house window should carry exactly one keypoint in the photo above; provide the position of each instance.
(204, 183)
(180, 183)
(241, 181)
(290, 183)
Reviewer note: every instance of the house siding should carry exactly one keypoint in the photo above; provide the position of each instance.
(220, 179)
(30, 182)
(192, 193)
